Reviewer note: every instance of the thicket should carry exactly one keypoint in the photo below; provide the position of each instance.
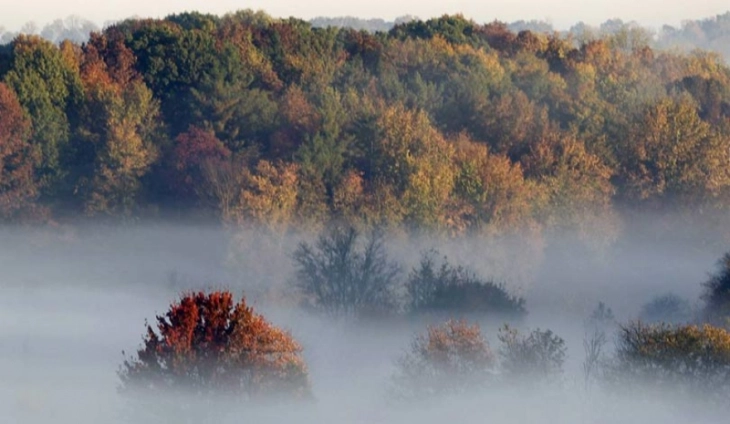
(689, 359)
(438, 287)
(347, 274)
(454, 358)
(450, 358)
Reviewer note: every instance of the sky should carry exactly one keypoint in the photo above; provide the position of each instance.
(561, 13)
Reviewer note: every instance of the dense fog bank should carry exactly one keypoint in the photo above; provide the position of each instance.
(74, 300)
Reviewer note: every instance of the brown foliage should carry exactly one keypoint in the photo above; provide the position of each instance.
(18, 189)
(685, 358)
(492, 191)
(207, 344)
(192, 148)
(451, 358)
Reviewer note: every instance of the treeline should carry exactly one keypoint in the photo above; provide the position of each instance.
(445, 125)
(711, 33)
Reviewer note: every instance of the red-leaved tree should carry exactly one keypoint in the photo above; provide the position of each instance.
(208, 345)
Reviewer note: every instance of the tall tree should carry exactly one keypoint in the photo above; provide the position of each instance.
(18, 188)
(49, 89)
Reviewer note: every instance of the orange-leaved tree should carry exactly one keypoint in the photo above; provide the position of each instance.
(449, 359)
(206, 344)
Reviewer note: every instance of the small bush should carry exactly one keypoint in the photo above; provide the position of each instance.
(687, 358)
(450, 358)
(717, 293)
(207, 345)
(668, 308)
(340, 275)
(539, 356)
(437, 288)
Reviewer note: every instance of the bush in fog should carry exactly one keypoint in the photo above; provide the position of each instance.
(717, 293)
(437, 288)
(208, 345)
(688, 358)
(346, 274)
(536, 356)
(668, 308)
(451, 358)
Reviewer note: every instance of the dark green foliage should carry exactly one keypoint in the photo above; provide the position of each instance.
(455, 29)
(344, 274)
(50, 92)
(444, 288)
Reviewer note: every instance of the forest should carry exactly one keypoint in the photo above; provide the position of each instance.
(444, 125)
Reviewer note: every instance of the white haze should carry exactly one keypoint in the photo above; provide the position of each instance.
(562, 13)
(73, 300)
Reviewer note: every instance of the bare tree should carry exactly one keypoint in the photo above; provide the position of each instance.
(343, 275)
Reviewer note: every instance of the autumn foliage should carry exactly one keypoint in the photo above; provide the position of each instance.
(450, 358)
(18, 187)
(688, 358)
(443, 125)
(206, 344)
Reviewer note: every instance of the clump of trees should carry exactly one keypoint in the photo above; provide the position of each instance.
(687, 358)
(447, 289)
(533, 357)
(454, 358)
(450, 358)
(345, 273)
(208, 345)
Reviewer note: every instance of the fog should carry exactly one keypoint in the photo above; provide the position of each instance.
(74, 298)
(562, 13)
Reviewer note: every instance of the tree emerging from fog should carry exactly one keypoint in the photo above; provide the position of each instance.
(717, 293)
(444, 288)
(689, 359)
(448, 359)
(345, 274)
(208, 345)
(537, 356)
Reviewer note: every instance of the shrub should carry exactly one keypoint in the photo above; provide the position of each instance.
(668, 308)
(539, 356)
(207, 345)
(341, 275)
(687, 358)
(717, 293)
(451, 358)
(442, 287)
